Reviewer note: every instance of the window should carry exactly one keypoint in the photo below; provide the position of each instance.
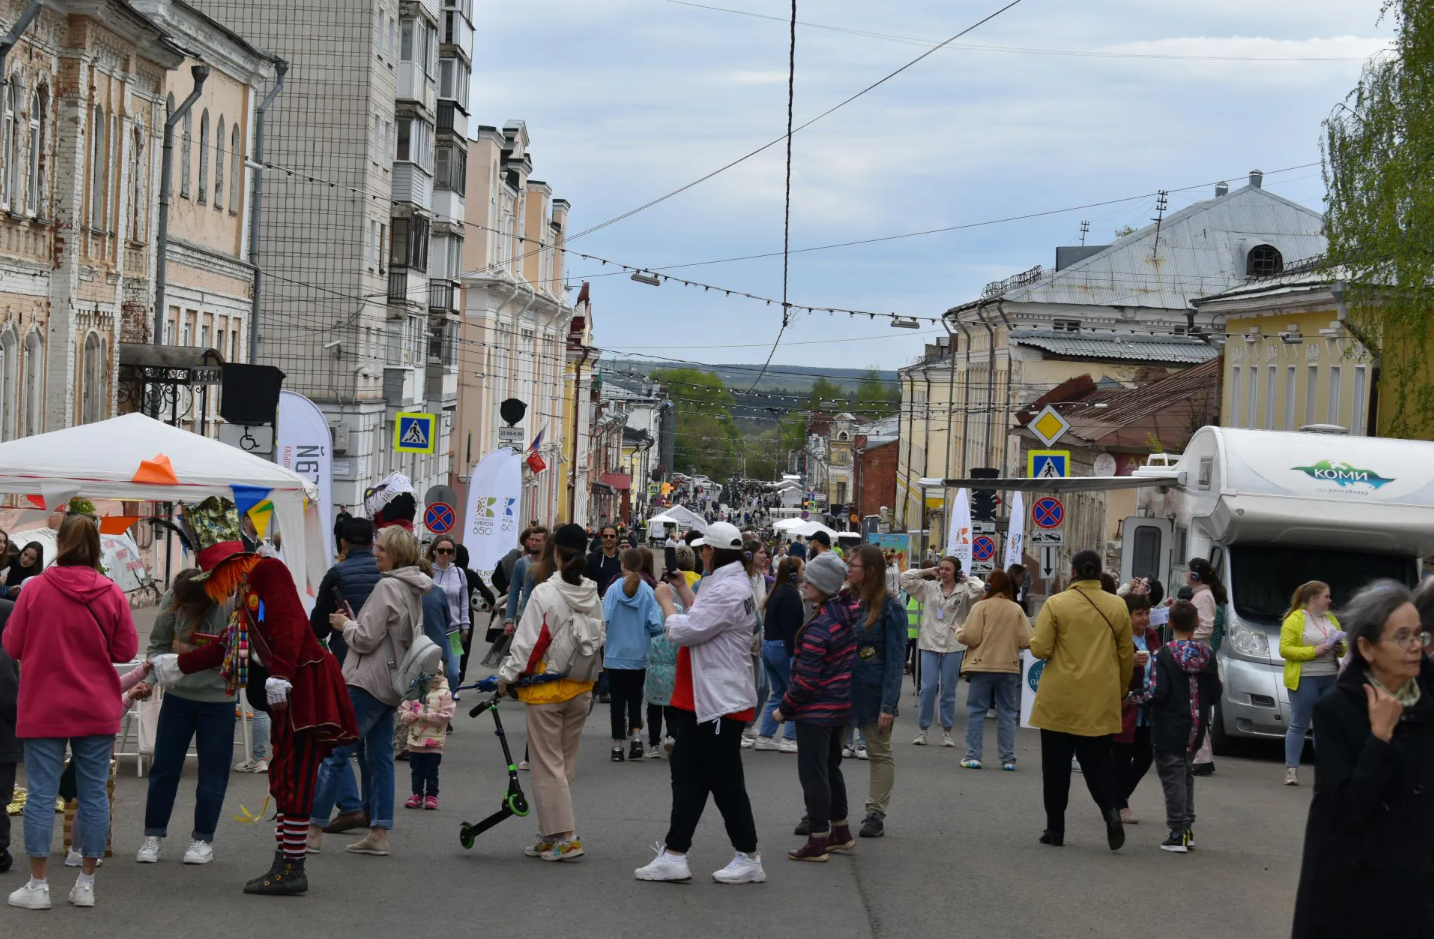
(1311, 393)
(7, 144)
(37, 148)
(1290, 398)
(430, 50)
(1270, 398)
(453, 80)
(405, 47)
(186, 332)
(14, 137)
(204, 157)
(405, 140)
(1334, 389)
(9, 383)
(1357, 424)
(219, 165)
(99, 170)
(373, 244)
(392, 37)
(1251, 415)
(137, 179)
(415, 142)
(408, 245)
(237, 165)
(388, 142)
(1066, 326)
(377, 138)
(92, 406)
(184, 150)
(1264, 261)
(34, 384)
(451, 168)
(1235, 396)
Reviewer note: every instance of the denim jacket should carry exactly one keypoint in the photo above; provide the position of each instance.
(880, 661)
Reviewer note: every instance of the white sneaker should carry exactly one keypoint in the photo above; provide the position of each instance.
(76, 859)
(861, 753)
(82, 894)
(741, 870)
(252, 766)
(766, 743)
(748, 743)
(670, 868)
(148, 852)
(946, 740)
(199, 852)
(1292, 776)
(787, 746)
(920, 740)
(847, 753)
(652, 752)
(667, 744)
(523, 765)
(32, 898)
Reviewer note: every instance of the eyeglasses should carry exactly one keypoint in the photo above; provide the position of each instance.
(1409, 640)
(442, 550)
(609, 537)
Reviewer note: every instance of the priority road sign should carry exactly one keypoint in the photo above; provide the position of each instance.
(983, 548)
(438, 518)
(1048, 464)
(1049, 426)
(1048, 512)
(415, 432)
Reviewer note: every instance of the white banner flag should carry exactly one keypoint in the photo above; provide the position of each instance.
(490, 519)
(958, 537)
(1016, 536)
(305, 447)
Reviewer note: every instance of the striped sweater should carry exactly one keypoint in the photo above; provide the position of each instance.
(820, 688)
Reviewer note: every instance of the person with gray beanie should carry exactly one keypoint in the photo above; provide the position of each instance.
(819, 700)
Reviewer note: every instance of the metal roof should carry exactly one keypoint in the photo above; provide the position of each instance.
(1181, 350)
(1201, 251)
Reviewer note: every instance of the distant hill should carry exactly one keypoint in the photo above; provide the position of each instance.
(796, 379)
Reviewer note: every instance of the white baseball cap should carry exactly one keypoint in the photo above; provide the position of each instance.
(720, 535)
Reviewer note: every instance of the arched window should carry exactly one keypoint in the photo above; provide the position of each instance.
(9, 383)
(95, 392)
(138, 183)
(37, 151)
(204, 157)
(219, 142)
(184, 150)
(1264, 261)
(236, 163)
(99, 169)
(34, 384)
(14, 140)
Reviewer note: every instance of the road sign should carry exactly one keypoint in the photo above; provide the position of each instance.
(1049, 426)
(415, 432)
(510, 436)
(438, 518)
(1048, 513)
(654, 490)
(1048, 562)
(1104, 465)
(982, 567)
(1048, 464)
(1043, 538)
(983, 548)
(983, 528)
(440, 493)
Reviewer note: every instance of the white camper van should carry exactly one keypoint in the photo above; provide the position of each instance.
(1271, 510)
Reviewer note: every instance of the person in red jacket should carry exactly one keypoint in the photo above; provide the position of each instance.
(68, 627)
(270, 649)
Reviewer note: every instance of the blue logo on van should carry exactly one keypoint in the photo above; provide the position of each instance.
(1343, 474)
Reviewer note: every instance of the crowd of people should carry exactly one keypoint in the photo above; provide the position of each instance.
(731, 642)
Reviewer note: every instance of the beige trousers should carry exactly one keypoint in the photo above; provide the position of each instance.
(882, 765)
(554, 732)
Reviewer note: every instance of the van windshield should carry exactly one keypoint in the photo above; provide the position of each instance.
(1264, 577)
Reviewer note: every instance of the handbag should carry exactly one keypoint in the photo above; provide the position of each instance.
(497, 652)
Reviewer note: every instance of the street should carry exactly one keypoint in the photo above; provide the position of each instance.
(960, 857)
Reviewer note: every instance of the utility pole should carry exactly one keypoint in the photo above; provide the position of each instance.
(281, 68)
(166, 182)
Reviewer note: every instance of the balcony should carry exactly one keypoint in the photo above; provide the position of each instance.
(412, 183)
(442, 297)
(456, 31)
(406, 285)
(415, 85)
(451, 119)
(448, 204)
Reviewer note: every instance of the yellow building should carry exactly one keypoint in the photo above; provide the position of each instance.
(576, 408)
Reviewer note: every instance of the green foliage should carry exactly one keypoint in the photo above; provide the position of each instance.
(79, 506)
(706, 441)
(1380, 221)
(826, 397)
(874, 399)
(1125, 230)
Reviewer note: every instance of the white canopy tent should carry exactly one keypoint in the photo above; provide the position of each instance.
(680, 516)
(808, 528)
(787, 524)
(99, 461)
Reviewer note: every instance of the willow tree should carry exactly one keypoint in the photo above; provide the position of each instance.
(1378, 151)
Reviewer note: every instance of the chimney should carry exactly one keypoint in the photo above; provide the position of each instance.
(1222, 188)
(1257, 179)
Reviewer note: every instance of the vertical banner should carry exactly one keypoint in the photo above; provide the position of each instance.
(1016, 535)
(1031, 668)
(958, 538)
(304, 446)
(490, 519)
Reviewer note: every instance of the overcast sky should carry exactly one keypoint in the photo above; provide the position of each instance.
(626, 100)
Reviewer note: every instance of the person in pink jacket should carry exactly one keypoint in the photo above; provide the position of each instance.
(427, 721)
(69, 627)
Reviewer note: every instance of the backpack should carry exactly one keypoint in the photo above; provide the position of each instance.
(1217, 635)
(422, 661)
(576, 648)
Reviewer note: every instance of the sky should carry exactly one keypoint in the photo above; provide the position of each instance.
(1052, 104)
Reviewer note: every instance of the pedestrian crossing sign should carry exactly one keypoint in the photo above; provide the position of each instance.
(414, 432)
(1048, 464)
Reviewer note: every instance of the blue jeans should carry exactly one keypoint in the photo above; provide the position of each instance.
(939, 669)
(210, 724)
(1302, 702)
(375, 727)
(44, 761)
(1007, 689)
(777, 666)
(259, 734)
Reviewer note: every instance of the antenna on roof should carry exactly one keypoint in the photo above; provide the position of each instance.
(1084, 230)
(1162, 201)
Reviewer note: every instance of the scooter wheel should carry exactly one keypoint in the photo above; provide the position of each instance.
(518, 804)
(465, 836)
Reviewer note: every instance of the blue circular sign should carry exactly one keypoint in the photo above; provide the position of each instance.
(438, 518)
(1048, 512)
(983, 548)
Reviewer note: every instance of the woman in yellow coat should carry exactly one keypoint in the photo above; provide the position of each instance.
(1083, 634)
(1311, 644)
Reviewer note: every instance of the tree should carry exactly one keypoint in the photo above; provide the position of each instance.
(826, 397)
(705, 439)
(875, 399)
(1124, 230)
(1376, 147)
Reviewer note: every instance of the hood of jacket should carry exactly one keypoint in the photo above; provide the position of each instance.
(622, 599)
(1191, 655)
(581, 597)
(412, 578)
(83, 584)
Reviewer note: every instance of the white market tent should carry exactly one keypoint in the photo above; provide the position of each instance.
(787, 524)
(99, 461)
(808, 528)
(680, 516)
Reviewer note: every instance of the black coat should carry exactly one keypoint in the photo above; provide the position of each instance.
(1369, 842)
(1170, 707)
(11, 750)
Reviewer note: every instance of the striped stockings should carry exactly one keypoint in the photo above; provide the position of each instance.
(292, 835)
(293, 771)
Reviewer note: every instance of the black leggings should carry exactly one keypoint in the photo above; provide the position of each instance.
(708, 759)
(626, 685)
(1132, 762)
(655, 714)
(819, 769)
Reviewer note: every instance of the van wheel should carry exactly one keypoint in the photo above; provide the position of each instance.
(1219, 740)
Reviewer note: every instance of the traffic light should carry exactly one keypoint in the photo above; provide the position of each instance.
(983, 501)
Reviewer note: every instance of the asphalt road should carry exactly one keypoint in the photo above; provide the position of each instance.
(960, 858)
